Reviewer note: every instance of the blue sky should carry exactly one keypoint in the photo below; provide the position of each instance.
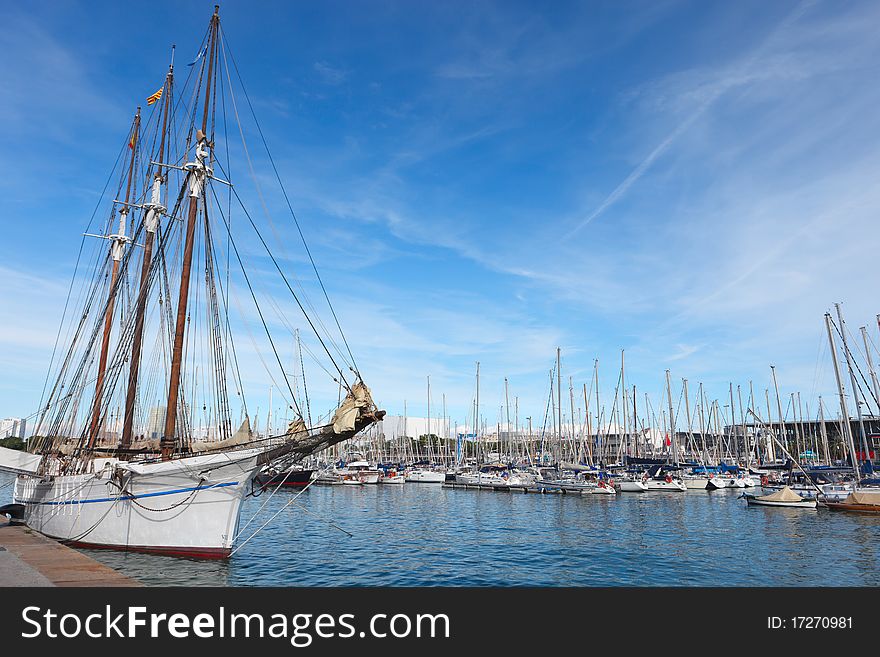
(693, 182)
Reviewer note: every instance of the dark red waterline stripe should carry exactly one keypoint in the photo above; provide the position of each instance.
(192, 552)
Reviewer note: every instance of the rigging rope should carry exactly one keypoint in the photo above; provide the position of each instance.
(286, 198)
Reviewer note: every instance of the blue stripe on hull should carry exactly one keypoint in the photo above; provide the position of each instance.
(135, 497)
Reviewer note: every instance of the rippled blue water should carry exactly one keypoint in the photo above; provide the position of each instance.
(416, 535)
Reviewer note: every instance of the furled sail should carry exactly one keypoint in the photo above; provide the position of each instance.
(356, 412)
(240, 437)
(19, 462)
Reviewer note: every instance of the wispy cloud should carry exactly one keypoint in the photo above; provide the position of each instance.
(332, 75)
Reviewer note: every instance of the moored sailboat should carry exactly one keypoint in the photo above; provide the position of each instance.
(92, 479)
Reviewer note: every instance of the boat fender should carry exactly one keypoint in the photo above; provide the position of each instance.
(14, 511)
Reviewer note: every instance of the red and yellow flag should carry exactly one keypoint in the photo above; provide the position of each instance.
(131, 141)
(156, 96)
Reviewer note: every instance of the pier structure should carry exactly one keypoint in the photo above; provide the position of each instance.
(27, 558)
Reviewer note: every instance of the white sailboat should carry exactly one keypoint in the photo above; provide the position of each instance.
(94, 475)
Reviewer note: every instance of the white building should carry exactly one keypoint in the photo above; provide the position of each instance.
(13, 427)
(394, 426)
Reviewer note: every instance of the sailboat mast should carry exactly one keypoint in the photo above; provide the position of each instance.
(635, 424)
(783, 434)
(197, 176)
(873, 374)
(477, 410)
(844, 413)
(151, 224)
(507, 427)
(116, 250)
(571, 438)
(824, 432)
(430, 450)
(747, 445)
(671, 418)
(559, 391)
(624, 404)
(855, 386)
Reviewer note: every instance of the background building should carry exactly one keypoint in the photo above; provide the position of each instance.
(13, 427)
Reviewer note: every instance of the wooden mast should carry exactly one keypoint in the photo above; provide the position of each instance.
(198, 173)
(151, 224)
(116, 250)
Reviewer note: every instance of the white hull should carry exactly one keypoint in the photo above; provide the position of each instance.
(696, 483)
(358, 476)
(716, 483)
(631, 486)
(662, 484)
(583, 487)
(187, 506)
(426, 477)
(803, 504)
(486, 479)
(395, 479)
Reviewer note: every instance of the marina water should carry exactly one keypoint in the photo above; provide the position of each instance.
(426, 535)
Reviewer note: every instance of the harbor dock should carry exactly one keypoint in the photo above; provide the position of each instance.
(27, 558)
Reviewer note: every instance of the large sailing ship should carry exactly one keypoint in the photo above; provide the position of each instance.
(135, 447)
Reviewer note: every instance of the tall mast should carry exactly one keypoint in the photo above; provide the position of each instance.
(701, 412)
(783, 434)
(768, 444)
(429, 416)
(559, 390)
(824, 432)
(844, 413)
(151, 224)
(852, 378)
(117, 249)
(198, 172)
(635, 420)
(742, 418)
(733, 425)
(589, 437)
(874, 381)
(477, 410)
(598, 411)
(444, 427)
(687, 410)
(624, 404)
(671, 419)
(571, 406)
(507, 415)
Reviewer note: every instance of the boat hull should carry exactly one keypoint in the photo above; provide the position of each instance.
(854, 508)
(803, 504)
(295, 479)
(185, 507)
(426, 477)
(631, 487)
(662, 484)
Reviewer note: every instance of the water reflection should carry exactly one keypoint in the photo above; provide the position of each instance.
(426, 535)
